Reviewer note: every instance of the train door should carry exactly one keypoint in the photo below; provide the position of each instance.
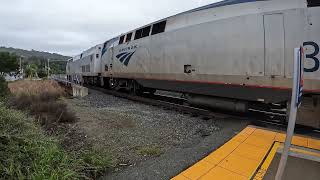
(274, 44)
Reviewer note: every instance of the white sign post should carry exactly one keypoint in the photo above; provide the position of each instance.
(295, 104)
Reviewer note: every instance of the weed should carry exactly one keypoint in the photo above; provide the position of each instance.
(41, 99)
(4, 91)
(26, 153)
(149, 151)
(97, 162)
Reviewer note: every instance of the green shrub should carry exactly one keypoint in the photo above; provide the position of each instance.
(26, 153)
(4, 90)
(96, 161)
(26, 149)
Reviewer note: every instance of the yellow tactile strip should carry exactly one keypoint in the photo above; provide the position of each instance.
(240, 157)
(265, 165)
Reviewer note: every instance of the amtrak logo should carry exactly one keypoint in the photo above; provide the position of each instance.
(125, 57)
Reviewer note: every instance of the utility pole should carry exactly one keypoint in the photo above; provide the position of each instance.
(20, 69)
(48, 68)
(20, 64)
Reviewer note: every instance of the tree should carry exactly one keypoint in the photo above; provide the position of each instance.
(42, 73)
(31, 70)
(8, 62)
(4, 90)
(58, 67)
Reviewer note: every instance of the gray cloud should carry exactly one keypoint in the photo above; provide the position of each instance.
(70, 26)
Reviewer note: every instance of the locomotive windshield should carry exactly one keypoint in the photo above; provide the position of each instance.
(313, 3)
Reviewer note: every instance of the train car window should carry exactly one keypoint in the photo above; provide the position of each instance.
(159, 27)
(87, 68)
(138, 34)
(121, 40)
(128, 38)
(146, 31)
(141, 33)
(313, 3)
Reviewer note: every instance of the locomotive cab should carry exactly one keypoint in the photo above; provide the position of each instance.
(309, 112)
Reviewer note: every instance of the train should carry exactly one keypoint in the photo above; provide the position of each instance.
(226, 55)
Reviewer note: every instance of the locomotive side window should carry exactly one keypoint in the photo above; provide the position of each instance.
(105, 45)
(146, 31)
(128, 38)
(313, 3)
(138, 34)
(121, 40)
(141, 33)
(159, 27)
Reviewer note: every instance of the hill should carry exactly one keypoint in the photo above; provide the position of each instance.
(39, 60)
(33, 53)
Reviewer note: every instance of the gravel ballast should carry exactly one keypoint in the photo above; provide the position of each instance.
(148, 142)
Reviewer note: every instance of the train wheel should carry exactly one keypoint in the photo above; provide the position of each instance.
(150, 91)
(135, 88)
(113, 83)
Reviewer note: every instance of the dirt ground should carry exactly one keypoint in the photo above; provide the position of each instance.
(145, 142)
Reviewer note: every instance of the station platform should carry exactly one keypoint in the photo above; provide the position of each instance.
(254, 153)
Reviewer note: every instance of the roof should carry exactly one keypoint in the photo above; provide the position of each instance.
(220, 4)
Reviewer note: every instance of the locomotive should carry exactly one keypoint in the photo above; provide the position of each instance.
(225, 55)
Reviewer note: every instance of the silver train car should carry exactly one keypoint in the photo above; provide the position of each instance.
(225, 55)
(85, 67)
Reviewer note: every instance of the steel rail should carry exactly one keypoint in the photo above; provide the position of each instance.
(258, 117)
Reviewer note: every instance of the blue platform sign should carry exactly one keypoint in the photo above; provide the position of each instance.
(299, 74)
(296, 99)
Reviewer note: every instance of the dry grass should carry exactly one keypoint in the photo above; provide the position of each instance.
(30, 87)
(41, 100)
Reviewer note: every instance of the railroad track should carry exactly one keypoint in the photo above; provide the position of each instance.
(275, 119)
(166, 102)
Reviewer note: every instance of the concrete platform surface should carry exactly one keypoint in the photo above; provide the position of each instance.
(296, 169)
(249, 155)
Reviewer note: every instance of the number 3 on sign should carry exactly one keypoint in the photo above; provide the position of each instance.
(312, 56)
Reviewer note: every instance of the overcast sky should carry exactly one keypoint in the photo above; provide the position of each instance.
(70, 26)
